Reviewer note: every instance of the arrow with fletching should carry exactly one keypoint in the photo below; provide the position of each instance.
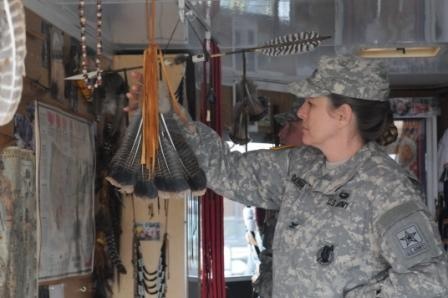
(290, 44)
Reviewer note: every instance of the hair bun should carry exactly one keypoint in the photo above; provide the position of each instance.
(389, 136)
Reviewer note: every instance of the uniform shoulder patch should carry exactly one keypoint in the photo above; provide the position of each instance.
(407, 237)
(411, 241)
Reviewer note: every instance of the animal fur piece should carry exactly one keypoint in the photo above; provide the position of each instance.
(12, 57)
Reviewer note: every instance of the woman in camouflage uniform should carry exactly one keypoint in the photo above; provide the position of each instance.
(352, 222)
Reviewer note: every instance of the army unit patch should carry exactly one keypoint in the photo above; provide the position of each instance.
(411, 241)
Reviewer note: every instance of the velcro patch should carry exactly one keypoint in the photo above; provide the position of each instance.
(408, 237)
(411, 241)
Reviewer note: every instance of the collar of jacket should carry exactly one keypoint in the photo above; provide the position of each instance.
(328, 181)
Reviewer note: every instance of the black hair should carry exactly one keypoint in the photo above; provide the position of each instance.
(374, 118)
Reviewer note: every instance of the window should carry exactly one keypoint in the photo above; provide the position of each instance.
(240, 258)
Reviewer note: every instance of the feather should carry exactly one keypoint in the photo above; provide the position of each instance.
(169, 178)
(180, 91)
(144, 188)
(125, 164)
(290, 44)
(193, 174)
(12, 57)
(112, 251)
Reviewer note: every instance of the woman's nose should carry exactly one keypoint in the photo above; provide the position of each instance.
(301, 112)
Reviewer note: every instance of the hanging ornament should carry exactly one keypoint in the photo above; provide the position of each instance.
(99, 44)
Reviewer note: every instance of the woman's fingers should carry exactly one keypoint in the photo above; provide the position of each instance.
(134, 94)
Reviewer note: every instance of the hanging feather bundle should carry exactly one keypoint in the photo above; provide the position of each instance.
(12, 57)
(176, 171)
(154, 160)
(239, 134)
(246, 93)
(108, 263)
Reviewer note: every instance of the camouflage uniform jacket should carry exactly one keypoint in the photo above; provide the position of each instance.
(358, 230)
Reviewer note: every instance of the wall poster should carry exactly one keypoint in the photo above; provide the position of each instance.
(65, 156)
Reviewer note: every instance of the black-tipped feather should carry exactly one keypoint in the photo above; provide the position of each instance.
(193, 174)
(290, 44)
(145, 190)
(113, 253)
(180, 91)
(125, 164)
(169, 178)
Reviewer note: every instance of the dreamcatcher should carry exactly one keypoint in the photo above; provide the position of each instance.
(12, 57)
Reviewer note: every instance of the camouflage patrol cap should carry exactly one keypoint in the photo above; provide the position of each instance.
(345, 75)
(290, 115)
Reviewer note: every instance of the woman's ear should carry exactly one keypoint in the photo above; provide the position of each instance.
(344, 114)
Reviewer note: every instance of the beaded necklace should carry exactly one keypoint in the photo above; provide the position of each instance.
(99, 44)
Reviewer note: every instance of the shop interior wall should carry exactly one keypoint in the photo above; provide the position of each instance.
(37, 88)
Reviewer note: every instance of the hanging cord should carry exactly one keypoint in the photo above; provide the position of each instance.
(150, 21)
(167, 256)
(196, 34)
(150, 106)
(172, 34)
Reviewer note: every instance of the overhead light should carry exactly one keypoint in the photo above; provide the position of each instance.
(399, 52)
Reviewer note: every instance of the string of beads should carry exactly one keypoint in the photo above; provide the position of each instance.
(99, 44)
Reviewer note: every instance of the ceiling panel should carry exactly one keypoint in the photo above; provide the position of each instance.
(352, 24)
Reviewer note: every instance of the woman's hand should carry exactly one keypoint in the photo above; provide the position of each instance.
(135, 92)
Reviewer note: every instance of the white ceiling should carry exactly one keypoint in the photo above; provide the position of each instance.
(246, 23)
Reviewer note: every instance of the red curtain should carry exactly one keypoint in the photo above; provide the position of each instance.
(212, 213)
